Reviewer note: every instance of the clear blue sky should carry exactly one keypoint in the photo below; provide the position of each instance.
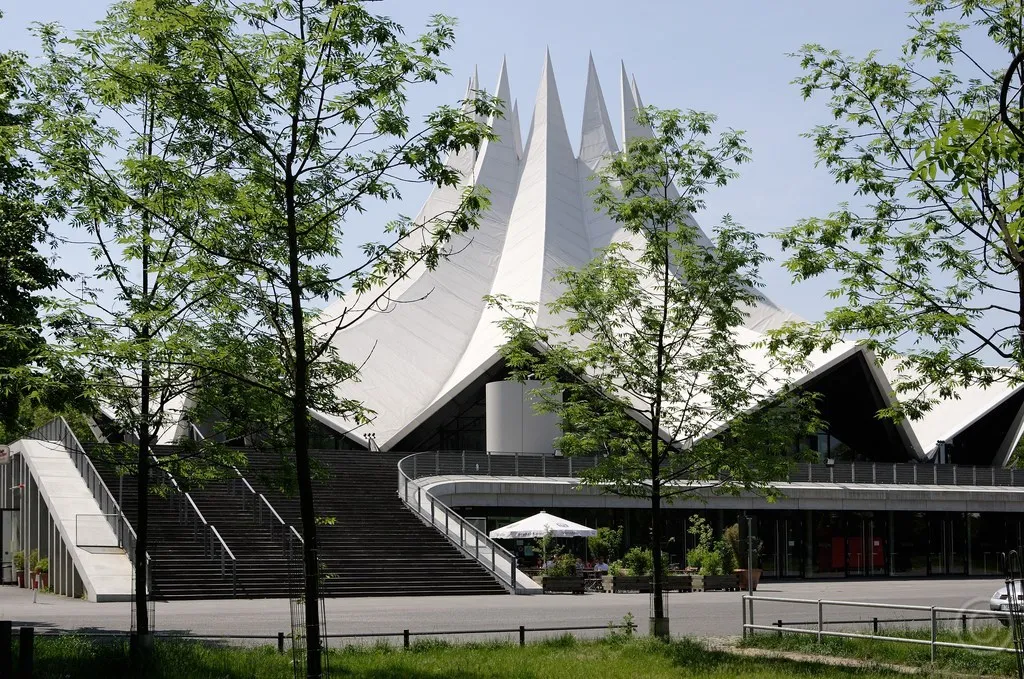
(725, 56)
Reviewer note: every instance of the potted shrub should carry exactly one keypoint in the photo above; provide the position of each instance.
(561, 576)
(712, 559)
(19, 567)
(739, 549)
(633, 573)
(42, 572)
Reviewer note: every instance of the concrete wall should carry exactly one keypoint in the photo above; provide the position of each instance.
(59, 517)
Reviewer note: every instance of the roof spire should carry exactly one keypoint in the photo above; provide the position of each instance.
(497, 166)
(630, 128)
(597, 141)
(547, 115)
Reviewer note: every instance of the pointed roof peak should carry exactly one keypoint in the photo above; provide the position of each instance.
(630, 105)
(502, 91)
(597, 141)
(636, 92)
(547, 113)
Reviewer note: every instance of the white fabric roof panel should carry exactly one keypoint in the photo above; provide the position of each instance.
(425, 350)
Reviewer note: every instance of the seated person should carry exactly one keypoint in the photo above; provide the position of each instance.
(601, 566)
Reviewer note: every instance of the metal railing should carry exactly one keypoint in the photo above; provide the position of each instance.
(470, 540)
(749, 627)
(257, 503)
(203, 531)
(253, 501)
(904, 473)
(535, 464)
(481, 463)
(58, 430)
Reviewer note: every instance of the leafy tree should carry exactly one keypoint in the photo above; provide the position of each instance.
(303, 106)
(607, 543)
(24, 270)
(650, 364)
(929, 258)
(110, 106)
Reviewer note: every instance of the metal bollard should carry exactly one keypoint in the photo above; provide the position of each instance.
(874, 626)
(25, 652)
(522, 635)
(820, 621)
(963, 624)
(405, 638)
(280, 642)
(779, 625)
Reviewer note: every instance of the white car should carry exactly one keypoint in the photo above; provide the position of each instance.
(1000, 601)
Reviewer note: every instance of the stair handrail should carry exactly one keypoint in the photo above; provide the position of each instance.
(202, 530)
(225, 553)
(469, 539)
(257, 507)
(58, 430)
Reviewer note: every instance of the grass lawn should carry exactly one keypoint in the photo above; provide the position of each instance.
(975, 663)
(565, 658)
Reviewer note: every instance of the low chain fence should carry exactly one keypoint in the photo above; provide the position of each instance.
(26, 636)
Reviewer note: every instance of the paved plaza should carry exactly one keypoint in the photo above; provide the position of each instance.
(702, 614)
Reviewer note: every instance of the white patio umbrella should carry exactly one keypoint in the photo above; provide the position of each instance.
(539, 525)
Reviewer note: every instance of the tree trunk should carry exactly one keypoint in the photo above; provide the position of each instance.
(142, 526)
(300, 414)
(659, 626)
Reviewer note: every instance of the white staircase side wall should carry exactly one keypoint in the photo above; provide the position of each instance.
(105, 573)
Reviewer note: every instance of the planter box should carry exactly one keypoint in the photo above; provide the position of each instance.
(626, 583)
(642, 583)
(572, 584)
(679, 583)
(755, 578)
(712, 582)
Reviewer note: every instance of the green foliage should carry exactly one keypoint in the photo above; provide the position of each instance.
(26, 365)
(710, 556)
(607, 543)
(548, 546)
(19, 560)
(640, 561)
(563, 564)
(655, 319)
(731, 537)
(927, 260)
(617, 656)
(42, 566)
(626, 629)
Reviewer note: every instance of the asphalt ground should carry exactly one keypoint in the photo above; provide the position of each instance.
(697, 614)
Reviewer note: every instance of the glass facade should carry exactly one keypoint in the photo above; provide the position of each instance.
(825, 544)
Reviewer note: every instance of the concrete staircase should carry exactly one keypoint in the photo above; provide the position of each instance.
(371, 545)
(180, 569)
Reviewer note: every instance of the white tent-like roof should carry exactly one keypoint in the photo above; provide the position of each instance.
(438, 337)
(539, 525)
